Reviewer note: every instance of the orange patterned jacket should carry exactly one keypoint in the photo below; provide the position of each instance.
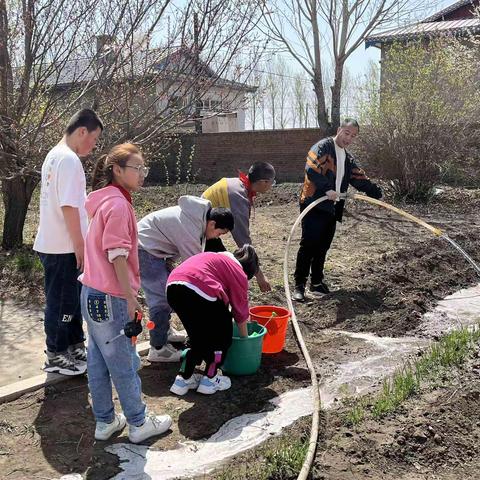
(320, 176)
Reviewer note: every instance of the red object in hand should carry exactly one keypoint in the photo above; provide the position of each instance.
(138, 318)
(150, 325)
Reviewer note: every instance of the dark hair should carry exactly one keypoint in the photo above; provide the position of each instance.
(261, 171)
(222, 217)
(118, 155)
(350, 122)
(84, 118)
(248, 258)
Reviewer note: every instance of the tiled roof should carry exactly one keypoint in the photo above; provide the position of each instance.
(423, 29)
(451, 8)
(142, 63)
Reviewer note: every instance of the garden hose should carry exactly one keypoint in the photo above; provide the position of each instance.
(314, 431)
(374, 201)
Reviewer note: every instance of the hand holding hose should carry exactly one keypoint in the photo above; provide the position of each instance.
(332, 195)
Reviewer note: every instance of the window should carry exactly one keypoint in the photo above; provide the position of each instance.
(216, 105)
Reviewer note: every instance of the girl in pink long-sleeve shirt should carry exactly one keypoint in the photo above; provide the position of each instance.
(200, 291)
(109, 297)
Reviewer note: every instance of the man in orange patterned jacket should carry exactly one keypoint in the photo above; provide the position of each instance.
(329, 170)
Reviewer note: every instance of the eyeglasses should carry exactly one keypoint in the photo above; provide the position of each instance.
(141, 169)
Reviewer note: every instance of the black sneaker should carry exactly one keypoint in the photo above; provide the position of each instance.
(78, 352)
(299, 293)
(64, 364)
(319, 290)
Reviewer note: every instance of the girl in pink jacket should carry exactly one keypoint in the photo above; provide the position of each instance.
(109, 296)
(206, 291)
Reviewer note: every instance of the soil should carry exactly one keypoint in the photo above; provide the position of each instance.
(434, 436)
(385, 273)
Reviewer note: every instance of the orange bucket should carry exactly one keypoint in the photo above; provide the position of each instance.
(276, 326)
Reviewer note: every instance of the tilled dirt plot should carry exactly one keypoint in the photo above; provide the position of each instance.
(385, 273)
(434, 436)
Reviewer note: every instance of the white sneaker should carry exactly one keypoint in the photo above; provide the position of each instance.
(175, 335)
(103, 431)
(181, 385)
(167, 353)
(153, 425)
(212, 385)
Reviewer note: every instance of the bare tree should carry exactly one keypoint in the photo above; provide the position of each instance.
(312, 31)
(257, 100)
(300, 101)
(425, 104)
(271, 89)
(56, 56)
(283, 82)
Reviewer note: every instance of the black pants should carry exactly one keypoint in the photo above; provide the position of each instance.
(318, 230)
(209, 327)
(63, 318)
(215, 245)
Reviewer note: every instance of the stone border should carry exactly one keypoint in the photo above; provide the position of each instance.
(14, 390)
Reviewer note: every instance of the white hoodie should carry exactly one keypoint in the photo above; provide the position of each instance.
(175, 232)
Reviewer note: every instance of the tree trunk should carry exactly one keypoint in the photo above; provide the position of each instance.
(17, 193)
(336, 97)
(322, 118)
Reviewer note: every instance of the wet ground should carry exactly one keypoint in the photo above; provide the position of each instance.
(386, 273)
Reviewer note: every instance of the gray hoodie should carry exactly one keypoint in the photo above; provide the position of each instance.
(175, 232)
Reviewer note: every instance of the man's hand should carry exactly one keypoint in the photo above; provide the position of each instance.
(332, 195)
(79, 251)
(263, 283)
(132, 306)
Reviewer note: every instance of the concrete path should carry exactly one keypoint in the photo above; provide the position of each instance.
(22, 342)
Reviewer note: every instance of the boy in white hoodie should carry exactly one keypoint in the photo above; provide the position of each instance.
(165, 236)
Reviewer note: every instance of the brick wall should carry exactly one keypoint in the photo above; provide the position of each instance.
(217, 155)
(208, 157)
(220, 155)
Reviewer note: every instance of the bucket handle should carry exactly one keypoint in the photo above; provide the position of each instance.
(274, 314)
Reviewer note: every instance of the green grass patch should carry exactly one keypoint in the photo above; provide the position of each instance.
(286, 460)
(281, 461)
(27, 262)
(451, 351)
(356, 413)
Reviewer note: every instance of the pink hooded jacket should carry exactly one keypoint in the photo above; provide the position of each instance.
(112, 225)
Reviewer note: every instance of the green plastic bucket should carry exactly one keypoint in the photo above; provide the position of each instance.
(245, 354)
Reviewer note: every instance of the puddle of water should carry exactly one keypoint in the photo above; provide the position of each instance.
(358, 376)
(247, 431)
(375, 358)
(460, 309)
(235, 436)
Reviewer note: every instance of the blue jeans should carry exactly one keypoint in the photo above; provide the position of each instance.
(63, 319)
(153, 275)
(116, 362)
